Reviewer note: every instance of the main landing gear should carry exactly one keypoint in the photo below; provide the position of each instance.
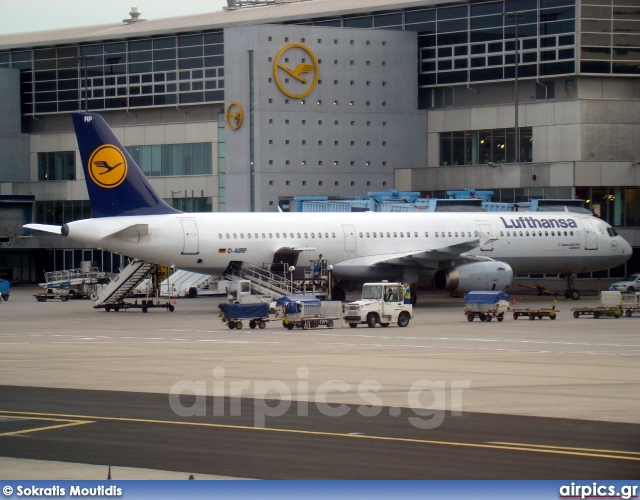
(571, 292)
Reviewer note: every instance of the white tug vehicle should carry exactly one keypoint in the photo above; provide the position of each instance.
(382, 303)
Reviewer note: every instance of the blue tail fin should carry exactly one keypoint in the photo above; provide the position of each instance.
(116, 184)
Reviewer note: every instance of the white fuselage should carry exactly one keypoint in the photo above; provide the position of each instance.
(531, 243)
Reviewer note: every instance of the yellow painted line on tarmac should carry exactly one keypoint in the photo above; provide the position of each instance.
(543, 446)
(68, 423)
(609, 454)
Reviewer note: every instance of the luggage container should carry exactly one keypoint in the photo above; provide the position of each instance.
(486, 305)
(307, 311)
(5, 289)
(256, 314)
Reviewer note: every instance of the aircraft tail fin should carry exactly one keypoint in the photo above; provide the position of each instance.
(115, 183)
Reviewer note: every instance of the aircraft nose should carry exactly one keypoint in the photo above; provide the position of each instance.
(625, 249)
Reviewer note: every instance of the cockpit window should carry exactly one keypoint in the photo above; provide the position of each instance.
(612, 232)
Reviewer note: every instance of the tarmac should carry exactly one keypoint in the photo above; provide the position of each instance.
(583, 369)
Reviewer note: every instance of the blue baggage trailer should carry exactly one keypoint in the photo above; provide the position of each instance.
(486, 305)
(5, 289)
(233, 314)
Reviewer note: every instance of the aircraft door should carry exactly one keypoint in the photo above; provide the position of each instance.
(190, 234)
(485, 231)
(591, 236)
(349, 238)
(283, 259)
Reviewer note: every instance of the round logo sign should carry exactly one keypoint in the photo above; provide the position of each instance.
(295, 70)
(108, 166)
(234, 116)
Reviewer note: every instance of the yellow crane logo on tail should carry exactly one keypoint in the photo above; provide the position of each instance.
(108, 166)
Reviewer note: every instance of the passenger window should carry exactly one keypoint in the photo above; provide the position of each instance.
(256, 235)
(521, 233)
(305, 235)
(388, 235)
(270, 236)
(319, 235)
(449, 233)
(227, 235)
(475, 233)
(395, 235)
(219, 236)
(313, 235)
(501, 233)
(368, 235)
(527, 233)
(248, 236)
(277, 235)
(401, 234)
(360, 235)
(235, 236)
(436, 234)
(333, 235)
(456, 234)
(326, 235)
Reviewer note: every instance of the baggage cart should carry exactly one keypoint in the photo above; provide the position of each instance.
(539, 313)
(307, 311)
(611, 305)
(256, 314)
(486, 305)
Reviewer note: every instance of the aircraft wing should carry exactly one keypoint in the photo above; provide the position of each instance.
(426, 258)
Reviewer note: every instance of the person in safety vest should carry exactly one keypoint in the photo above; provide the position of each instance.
(318, 266)
(407, 294)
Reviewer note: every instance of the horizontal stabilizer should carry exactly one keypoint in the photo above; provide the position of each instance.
(45, 227)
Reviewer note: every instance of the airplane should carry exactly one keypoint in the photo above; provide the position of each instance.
(460, 251)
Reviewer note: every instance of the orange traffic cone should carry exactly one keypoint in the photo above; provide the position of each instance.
(513, 301)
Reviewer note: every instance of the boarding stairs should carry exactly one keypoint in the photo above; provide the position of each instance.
(265, 282)
(188, 284)
(123, 284)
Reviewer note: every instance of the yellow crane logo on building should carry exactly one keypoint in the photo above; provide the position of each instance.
(298, 62)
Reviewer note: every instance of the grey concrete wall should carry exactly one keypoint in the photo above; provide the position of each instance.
(14, 146)
(309, 145)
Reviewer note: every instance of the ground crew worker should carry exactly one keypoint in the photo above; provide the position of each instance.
(318, 267)
(407, 294)
(389, 297)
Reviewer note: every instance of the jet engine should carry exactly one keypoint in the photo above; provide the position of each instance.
(489, 275)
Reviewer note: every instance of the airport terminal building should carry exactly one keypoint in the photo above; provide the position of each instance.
(239, 109)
